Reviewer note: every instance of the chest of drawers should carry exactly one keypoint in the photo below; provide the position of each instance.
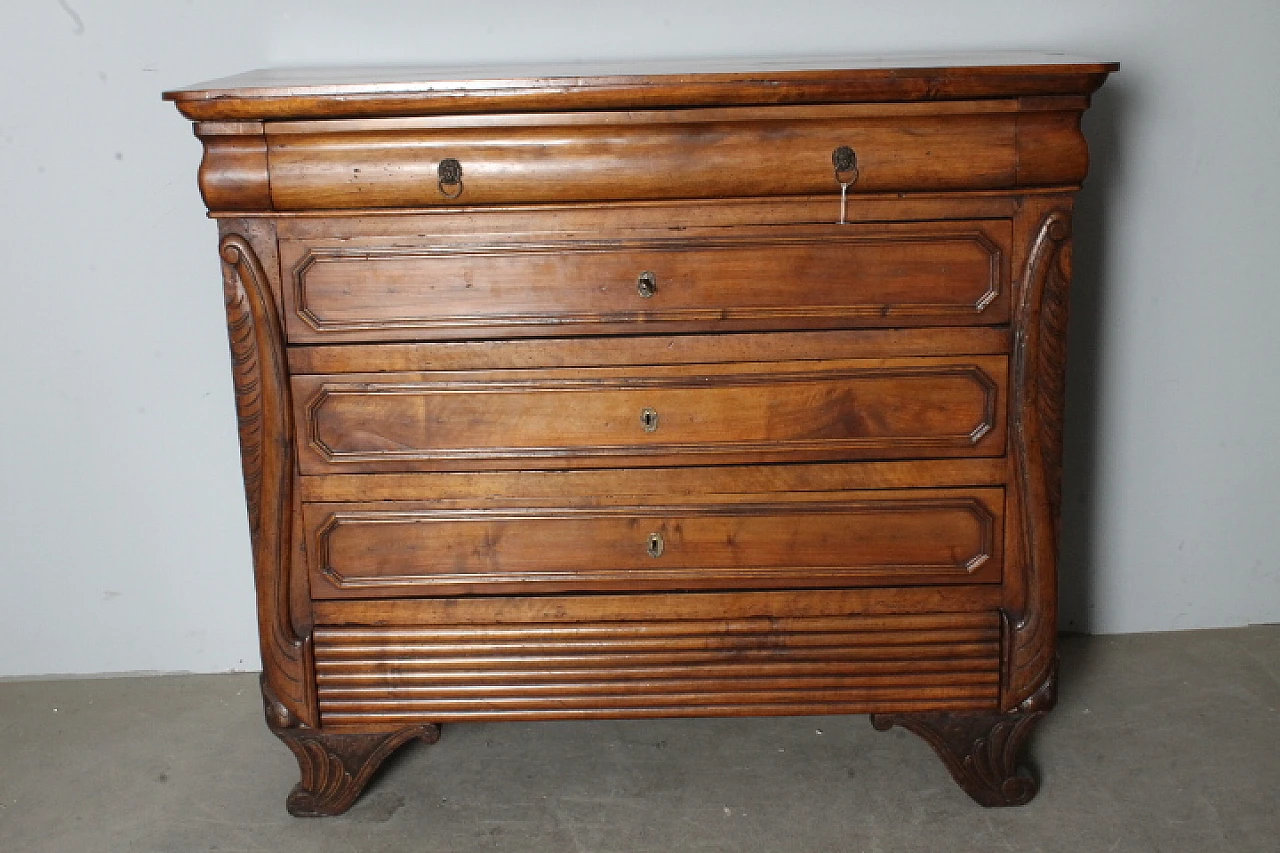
(720, 390)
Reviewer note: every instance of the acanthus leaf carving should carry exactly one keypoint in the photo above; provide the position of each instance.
(334, 768)
(265, 425)
(981, 751)
(1036, 421)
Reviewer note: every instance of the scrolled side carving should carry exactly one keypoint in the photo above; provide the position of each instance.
(1036, 419)
(266, 453)
(982, 750)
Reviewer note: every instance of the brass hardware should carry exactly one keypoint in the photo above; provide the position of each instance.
(449, 173)
(649, 420)
(844, 160)
(846, 166)
(647, 284)
(655, 545)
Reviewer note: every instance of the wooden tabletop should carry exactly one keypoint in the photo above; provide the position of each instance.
(369, 91)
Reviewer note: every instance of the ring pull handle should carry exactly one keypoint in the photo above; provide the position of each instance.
(449, 178)
(846, 166)
(646, 284)
(655, 545)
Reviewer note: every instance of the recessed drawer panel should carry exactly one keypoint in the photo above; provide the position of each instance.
(879, 274)
(846, 539)
(667, 415)
(582, 157)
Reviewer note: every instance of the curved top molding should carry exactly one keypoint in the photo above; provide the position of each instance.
(381, 91)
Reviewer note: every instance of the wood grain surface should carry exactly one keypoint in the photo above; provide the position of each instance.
(873, 538)
(382, 90)
(591, 392)
(899, 274)
(657, 668)
(668, 415)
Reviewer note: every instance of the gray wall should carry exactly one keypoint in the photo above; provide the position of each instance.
(123, 543)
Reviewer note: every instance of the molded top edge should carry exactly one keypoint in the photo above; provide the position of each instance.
(367, 91)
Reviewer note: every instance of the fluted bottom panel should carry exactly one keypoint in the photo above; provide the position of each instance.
(371, 677)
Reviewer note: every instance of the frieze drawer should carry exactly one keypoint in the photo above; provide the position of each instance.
(407, 163)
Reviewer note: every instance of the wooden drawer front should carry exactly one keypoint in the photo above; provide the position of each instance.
(853, 539)
(687, 414)
(653, 155)
(901, 274)
(392, 676)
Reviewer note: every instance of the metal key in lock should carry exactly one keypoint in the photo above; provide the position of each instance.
(846, 166)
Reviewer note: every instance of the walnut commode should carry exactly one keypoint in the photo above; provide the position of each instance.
(731, 389)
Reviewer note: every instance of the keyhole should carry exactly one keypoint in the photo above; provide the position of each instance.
(646, 284)
(649, 420)
(655, 545)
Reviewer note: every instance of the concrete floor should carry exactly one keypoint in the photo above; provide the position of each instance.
(1160, 742)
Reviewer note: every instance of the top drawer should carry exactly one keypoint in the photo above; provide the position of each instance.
(577, 157)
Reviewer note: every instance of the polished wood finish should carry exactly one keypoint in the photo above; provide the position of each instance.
(897, 274)
(537, 488)
(639, 609)
(619, 156)
(414, 91)
(234, 175)
(690, 414)
(649, 350)
(845, 664)
(394, 163)
(335, 767)
(612, 419)
(1039, 367)
(982, 750)
(655, 218)
(269, 468)
(869, 538)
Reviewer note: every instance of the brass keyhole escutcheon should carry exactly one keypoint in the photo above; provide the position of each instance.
(655, 545)
(649, 420)
(646, 284)
(844, 160)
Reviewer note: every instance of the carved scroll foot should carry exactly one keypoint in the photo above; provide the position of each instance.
(335, 767)
(982, 750)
